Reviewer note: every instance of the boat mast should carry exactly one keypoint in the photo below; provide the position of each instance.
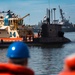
(48, 12)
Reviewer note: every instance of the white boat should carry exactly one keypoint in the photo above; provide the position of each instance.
(12, 27)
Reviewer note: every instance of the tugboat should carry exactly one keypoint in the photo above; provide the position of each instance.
(12, 28)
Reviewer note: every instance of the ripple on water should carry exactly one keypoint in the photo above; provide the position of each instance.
(47, 59)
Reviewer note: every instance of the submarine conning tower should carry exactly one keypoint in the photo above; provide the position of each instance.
(51, 32)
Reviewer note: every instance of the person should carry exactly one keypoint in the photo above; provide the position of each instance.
(18, 54)
(69, 65)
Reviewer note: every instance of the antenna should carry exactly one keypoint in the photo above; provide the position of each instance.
(49, 3)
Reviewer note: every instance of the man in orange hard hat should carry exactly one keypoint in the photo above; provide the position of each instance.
(69, 66)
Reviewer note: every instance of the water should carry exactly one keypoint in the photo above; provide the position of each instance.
(47, 59)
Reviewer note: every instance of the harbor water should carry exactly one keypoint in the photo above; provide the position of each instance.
(47, 59)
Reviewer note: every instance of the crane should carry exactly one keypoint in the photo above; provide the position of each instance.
(19, 19)
(24, 16)
(61, 13)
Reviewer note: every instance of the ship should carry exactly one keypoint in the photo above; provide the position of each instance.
(51, 33)
(12, 29)
(67, 26)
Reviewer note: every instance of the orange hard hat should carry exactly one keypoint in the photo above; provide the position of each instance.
(67, 73)
(70, 61)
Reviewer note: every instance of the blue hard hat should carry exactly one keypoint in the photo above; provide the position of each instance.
(18, 50)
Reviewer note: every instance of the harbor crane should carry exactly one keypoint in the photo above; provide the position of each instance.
(61, 13)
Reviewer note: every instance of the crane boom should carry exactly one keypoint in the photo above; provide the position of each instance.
(24, 17)
(61, 13)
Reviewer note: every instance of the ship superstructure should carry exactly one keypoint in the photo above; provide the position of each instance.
(12, 27)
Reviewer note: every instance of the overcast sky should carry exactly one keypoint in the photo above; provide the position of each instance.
(37, 8)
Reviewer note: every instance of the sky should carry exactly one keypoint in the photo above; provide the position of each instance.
(37, 9)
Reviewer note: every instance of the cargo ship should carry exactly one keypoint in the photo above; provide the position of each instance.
(12, 29)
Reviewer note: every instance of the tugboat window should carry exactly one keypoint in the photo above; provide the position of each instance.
(14, 34)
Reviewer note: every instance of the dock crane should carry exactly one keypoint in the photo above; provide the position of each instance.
(61, 13)
(65, 21)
